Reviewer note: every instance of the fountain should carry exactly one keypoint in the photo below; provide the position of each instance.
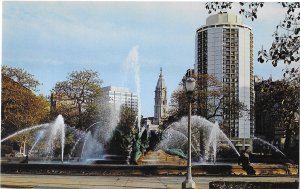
(175, 137)
(212, 140)
(51, 136)
(269, 145)
(132, 64)
(89, 147)
(56, 130)
(39, 136)
(90, 144)
(52, 131)
(25, 131)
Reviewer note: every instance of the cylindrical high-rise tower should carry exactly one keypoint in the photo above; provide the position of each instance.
(224, 49)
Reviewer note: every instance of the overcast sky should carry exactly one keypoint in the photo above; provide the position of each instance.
(51, 39)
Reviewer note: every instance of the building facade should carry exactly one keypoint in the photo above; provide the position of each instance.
(119, 96)
(224, 50)
(161, 104)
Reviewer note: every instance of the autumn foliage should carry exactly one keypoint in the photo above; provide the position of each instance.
(20, 107)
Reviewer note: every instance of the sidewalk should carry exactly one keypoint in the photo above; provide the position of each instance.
(115, 182)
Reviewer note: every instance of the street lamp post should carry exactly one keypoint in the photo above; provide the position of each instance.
(189, 85)
(245, 115)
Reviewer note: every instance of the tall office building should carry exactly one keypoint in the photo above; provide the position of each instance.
(224, 49)
(119, 96)
(161, 105)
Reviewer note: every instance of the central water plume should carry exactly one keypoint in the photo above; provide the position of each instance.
(212, 140)
(132, 64)
(56, 130)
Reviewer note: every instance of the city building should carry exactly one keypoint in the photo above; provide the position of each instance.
(224, 50)
(150, 124)
(161, 105)
(119, 96)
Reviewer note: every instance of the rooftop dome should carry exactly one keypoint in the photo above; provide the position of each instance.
(224, 18)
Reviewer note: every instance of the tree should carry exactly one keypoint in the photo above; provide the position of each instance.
(123, 135)
(286, 44)
(178, 105)
(76, 95)
(21, 76)
(280, 101)
(208, 100)
(20, 108)
(210, 94)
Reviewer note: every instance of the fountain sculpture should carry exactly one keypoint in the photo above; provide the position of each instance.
(175, 137)
(90, 144)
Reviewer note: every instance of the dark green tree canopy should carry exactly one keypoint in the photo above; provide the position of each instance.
(279, 99)
(123, 136)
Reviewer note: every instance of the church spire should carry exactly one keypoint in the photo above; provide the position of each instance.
(161, 84)
(160, 107)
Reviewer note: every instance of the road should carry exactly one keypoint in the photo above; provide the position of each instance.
(118, 182)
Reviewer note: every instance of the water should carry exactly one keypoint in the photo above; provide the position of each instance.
(91, 148)
(82, 135)
(94, 124)
(39, 136)
(132, 64)
(90, 143)
(25, 131)
(212, 140)
(75, 145)
(75, 131)
(88, 136)
(56, 132)
(108, 120)
(269, 144)
(223, 135)
(175, 136)
(53, 132)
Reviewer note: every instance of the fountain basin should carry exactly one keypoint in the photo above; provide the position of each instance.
(144, 170)
(110, 159)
